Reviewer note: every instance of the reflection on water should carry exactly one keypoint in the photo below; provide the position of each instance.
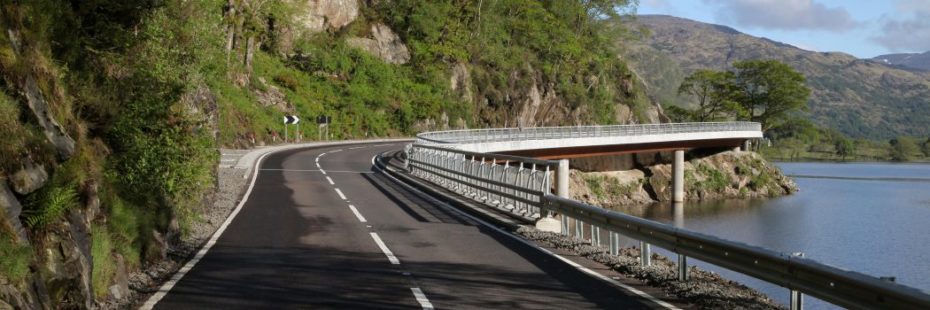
(879, 226)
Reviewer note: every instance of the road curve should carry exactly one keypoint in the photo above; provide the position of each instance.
(322, 230)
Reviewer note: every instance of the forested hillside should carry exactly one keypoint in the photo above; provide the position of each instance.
(111, 111)
(861, 98)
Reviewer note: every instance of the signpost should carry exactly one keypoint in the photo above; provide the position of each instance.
(323, 121)
(291, 119)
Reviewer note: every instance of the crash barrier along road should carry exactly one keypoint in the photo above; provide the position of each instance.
(460, 161)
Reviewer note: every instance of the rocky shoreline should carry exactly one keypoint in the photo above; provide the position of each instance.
(724, 175)
(705, 289)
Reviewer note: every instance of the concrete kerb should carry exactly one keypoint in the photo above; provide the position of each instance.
(247, 161)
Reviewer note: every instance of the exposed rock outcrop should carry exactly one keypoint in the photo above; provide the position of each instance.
(10, 209)
(66, 262)
(724, 175)
(321, 15)
(384, 44)
(201, 104)
(272, 96)
(29, 179)
(460, 82)
(37, 103)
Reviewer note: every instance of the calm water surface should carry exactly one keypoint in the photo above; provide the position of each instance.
(868, 217)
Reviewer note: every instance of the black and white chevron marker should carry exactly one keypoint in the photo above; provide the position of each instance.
(291, 119)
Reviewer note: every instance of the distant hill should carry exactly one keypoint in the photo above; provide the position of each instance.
(860, 97)
(919, 61)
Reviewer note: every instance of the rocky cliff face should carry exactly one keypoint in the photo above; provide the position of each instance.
(730, 174)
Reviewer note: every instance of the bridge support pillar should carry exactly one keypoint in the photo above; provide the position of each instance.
(546, 222)
(678, 176)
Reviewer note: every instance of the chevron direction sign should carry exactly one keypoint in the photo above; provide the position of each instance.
(291, 119)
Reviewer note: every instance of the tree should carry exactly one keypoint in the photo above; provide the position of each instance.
(902, 148)
(715, 92)
(769, 91)
(926, 147)
(844, 147)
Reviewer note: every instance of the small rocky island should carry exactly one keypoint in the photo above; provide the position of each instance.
(636, 179)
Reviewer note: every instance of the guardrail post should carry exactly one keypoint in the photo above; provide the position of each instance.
(614, 243)
(645, 254)
(797, 299)
(682, 268)
(546, 222)
(678, 176)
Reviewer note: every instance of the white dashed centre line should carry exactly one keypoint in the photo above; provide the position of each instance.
(384, 248)
(330, 181)
(357, 214)
(421, 298)
(341, 195)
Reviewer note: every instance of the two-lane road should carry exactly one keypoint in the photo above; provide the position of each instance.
(320, 229)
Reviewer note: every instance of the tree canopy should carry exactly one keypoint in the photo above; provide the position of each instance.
(769, 90)
(765, 91)
(715, 93)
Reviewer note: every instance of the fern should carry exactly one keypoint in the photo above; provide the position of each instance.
(49, 205)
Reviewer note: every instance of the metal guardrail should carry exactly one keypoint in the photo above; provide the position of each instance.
(542, 133)
(510, 183)
(522, 186)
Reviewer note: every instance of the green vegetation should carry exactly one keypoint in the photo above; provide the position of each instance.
(149, 89)
(764, 91)
(861, 99)
(903, 148)
(48, 205)
(800, 140)
(714, 180)
(716, 96)
(604, 187)
(16, 257)
(104, 266)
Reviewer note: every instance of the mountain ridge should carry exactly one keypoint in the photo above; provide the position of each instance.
(909, 61)
(860, 97)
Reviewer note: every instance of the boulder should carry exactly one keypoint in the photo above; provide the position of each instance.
(384, 44)
(29, 179)
(10, 210)
(272, 96)
(201, 105)
(460, 82)
(320, 15)
(66, 262)
(120, 288)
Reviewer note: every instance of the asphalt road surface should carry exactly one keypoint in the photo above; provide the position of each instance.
(346, 237)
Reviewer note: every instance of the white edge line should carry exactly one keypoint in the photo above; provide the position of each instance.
(357, 214)
(168, 285)
(330, 181)
(533, 245)
(322, 171)
(341, 195)
(421, 298)
(384, 248)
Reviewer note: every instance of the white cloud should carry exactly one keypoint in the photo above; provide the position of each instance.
(784, 15)
(914, 6)
(907, 31)
(909, 34)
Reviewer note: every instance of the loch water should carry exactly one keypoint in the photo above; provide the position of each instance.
(868, 217)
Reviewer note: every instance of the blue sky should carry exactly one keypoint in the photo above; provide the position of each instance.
(862, 28)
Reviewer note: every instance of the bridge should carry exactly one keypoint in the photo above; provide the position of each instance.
(363, 225)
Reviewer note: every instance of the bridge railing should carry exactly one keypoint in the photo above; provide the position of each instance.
(542, 133)
(522, 186)
(510, 183)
